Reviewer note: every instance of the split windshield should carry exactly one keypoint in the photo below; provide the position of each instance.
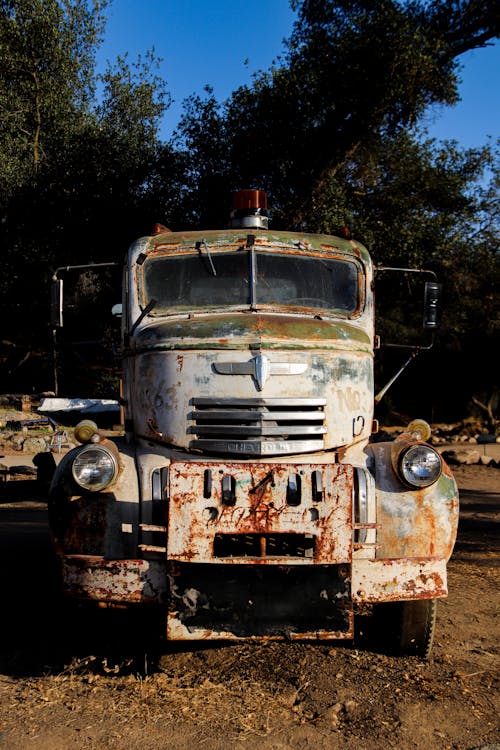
(221, 279)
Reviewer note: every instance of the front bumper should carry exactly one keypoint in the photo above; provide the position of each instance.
(256, 551)
(253, 602)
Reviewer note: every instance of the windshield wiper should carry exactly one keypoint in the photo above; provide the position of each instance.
(151, 304)
(198, 247)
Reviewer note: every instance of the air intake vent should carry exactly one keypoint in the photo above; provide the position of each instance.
(257, 426)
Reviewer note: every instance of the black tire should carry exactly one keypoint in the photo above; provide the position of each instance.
(416, 628)
(400, 628)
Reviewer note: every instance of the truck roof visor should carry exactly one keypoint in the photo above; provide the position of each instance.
(249, 210)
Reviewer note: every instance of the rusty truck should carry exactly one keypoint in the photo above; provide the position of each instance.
(245, 498)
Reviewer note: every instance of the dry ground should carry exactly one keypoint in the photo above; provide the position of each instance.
(74, 681)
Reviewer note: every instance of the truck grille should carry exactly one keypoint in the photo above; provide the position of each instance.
(258, 426)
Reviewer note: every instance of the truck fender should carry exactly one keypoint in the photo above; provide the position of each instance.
(104, 523)
(412, 522)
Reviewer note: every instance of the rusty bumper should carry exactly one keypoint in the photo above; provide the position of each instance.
(96, 579)
(257, 551)
(398, 580)
(273, 514)
(245, 601)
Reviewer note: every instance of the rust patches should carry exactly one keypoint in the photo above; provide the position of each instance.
(423, 524)
(177, 631)
(330, 248)
(260, 326)
(357, 250)
(258, 505)
(431, 525)
(180, 362)
(153, 427)
(122, 581)
(398, 580)
(301, 332)
(163, 249)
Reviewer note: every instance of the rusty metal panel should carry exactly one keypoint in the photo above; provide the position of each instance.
(413, 523)
(96, 523)
(257, 505)
(165, 384)
(398, 580)
(119, 581)
(178, 631)
(177, 354)
(259, 603)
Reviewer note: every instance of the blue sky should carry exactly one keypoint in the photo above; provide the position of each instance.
(222, 42)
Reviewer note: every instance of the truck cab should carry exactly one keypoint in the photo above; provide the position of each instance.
(246, 499)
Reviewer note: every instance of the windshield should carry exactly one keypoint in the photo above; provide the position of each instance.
(221, 279)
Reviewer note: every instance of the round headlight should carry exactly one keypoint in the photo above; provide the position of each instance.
(420, 465)
(94, 468)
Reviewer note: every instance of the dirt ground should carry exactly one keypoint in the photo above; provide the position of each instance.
(70, 680)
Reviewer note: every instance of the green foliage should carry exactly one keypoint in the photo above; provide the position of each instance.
(134, 99)
(203, 140)
(46, 57)
(331, 131)
(77, 153)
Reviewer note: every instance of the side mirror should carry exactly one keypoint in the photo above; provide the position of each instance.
(116, 310)
(56, 307)
(432, 300)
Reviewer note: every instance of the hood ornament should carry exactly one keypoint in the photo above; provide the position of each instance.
(260, 367)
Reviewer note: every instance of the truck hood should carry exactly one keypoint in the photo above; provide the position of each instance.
(238, 330)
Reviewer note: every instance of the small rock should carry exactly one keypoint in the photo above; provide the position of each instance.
(457, 456)
(486, 460)
(350, 707)
(17, 441)
(34, 445)
(332, 714)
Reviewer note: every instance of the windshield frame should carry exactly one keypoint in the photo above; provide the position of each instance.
(210, 254)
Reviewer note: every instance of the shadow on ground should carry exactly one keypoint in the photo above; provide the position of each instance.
(41, 634)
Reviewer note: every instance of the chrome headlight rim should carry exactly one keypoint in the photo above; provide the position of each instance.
(94, 468)
(415, 471)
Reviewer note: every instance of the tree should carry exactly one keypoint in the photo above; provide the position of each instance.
(75, 168)
(353, 72)
(47, 53)
(203, 141)
(331, 131)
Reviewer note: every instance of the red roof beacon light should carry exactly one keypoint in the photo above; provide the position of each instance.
(249, 210)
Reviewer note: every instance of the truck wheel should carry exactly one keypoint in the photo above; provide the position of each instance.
(415, 623)
(399, 628)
